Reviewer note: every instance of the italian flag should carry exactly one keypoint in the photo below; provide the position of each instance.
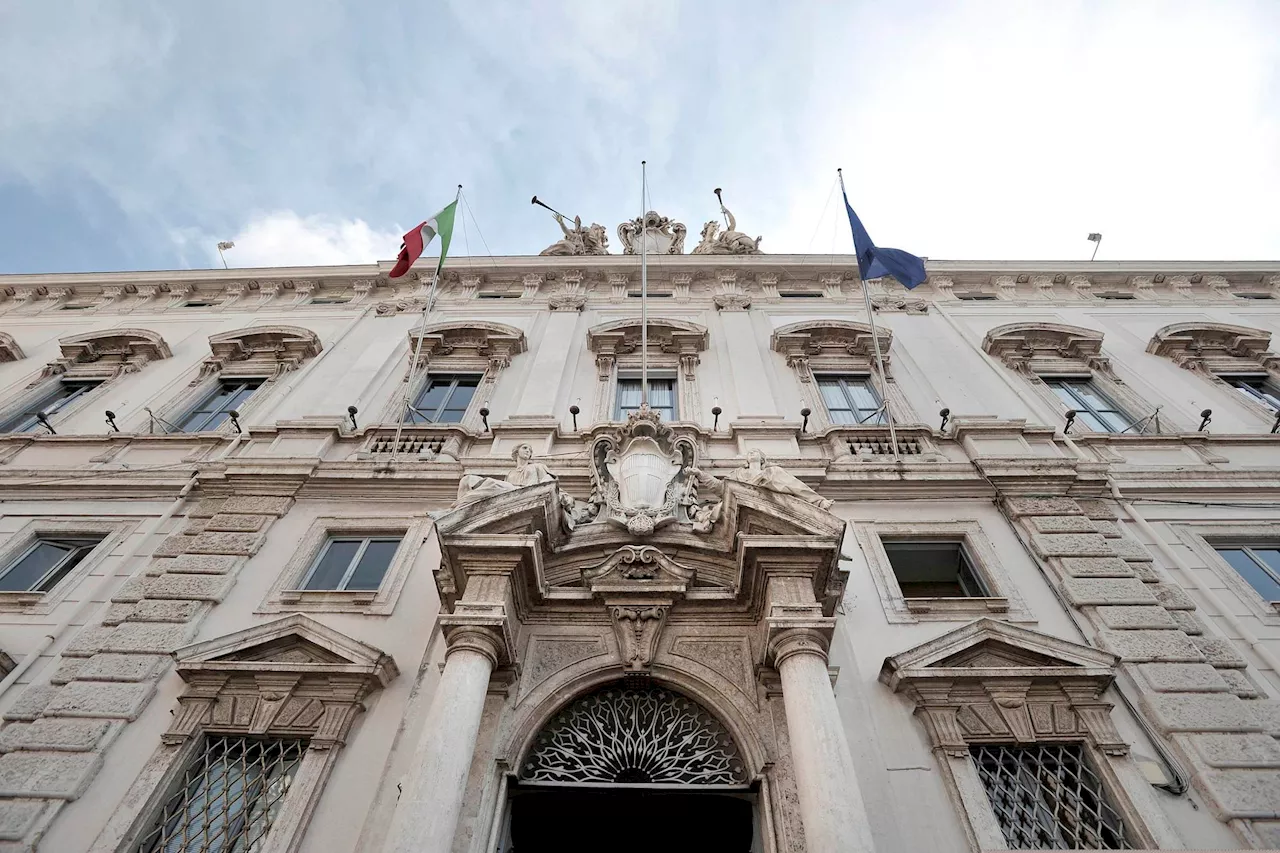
(421, 236)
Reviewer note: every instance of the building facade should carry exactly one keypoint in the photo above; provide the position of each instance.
(249, 598)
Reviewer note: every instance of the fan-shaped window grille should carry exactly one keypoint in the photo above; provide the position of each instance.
(635, 735)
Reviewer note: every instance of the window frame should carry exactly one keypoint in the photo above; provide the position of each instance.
(843, 379)
(675, 348)
(425, 386)
(1082, 406)
(659, 375)
(23, 412)
(966, 565)
(109, 532)
(80, 551)
(1270, 388)
(181, 423)
(1272, 572)
(289, 595)
(1204, 539)
(1002, 600)
(352, 565)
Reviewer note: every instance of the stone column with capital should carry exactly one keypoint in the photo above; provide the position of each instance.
(831, 805)
(427, 813)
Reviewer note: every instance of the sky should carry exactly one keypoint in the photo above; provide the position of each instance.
(136, 134)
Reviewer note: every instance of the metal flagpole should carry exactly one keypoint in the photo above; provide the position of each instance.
(875, 342)
(644, 294)
(417, 353)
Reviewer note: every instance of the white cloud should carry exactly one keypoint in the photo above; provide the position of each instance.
(283, 238)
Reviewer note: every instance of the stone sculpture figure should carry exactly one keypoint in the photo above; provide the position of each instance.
(474, 487)
(758, 472)
(578, 240)
(731, 242)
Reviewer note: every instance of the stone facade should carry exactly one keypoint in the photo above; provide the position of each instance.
(757, 585)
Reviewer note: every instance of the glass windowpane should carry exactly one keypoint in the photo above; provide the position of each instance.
(333, 564)
(213, 410)
(58, 396)
(1254, 574)
(50, 559)
(832, 395)
(373, 564)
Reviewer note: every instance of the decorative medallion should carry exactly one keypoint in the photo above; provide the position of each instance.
(660, 235)
(625, 735)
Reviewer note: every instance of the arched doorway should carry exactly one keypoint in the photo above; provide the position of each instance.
(629, 768)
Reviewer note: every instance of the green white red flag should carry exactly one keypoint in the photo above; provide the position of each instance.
(421, 236)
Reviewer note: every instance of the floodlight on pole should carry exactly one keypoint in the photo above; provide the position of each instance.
(222, 246)
(1096, 239)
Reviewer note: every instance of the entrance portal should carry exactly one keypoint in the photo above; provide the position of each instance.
(585, 820)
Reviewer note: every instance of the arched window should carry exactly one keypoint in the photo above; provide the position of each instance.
(674, 346)
(835, 362)
(1066, 367)
(1235, 357)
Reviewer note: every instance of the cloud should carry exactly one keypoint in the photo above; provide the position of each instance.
(283, 238)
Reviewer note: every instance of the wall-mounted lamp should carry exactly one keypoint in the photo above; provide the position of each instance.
(111, 421)
(1275, 427)
(44, 422)
(804, 413)
(484, 415)
(235, 419)
(1071, 419)
(574, 410)
(1205, 418)
(716, 411)
(352, 411)
(945, 414)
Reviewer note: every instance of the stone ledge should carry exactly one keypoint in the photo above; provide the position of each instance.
(207, 508)
(101, 700)
(129, 592)
(1098, 510)
(1129, 549)
(1188, 622)
(68, 670)
(57, 775)
(117, 613)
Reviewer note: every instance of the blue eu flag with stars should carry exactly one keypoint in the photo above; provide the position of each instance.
(874, 262)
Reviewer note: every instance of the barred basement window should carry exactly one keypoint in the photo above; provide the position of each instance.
(230, 794)
(1046, 797)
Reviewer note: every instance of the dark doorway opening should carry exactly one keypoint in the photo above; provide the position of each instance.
(582, 820)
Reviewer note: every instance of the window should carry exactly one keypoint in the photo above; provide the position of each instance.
(444, 399)
(799, 294)
(1114, 295)
(228, 797)
(47, 561)
(198, 303)
(214, 409)
(977, 297)
(635, 294)
(329, 300)
(1257, 388)
(851, 399)
(934, 570)
(1046, 797)
(352, 563)
(1252, 295)
(1093, 409)
(60, 394)
(662, 397)
(498, 295)
(1259, 565)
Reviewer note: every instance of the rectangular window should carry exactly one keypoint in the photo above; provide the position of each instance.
(851, 399)
(1260, 389)
(59, 394)
(1247, 295)
(228, 797)
(1046, 797)
(47, 561)
(198, 303)
(934, 570)
(352, 563)
(1114, 295)
(662, 397)
(977, 297)
(329, 300)
(443, 399)
(800, 294)
(211, 412)
(498, 295)
(1257, 564)
(1093, 408)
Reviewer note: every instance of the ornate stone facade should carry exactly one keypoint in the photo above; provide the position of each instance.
(571, 601)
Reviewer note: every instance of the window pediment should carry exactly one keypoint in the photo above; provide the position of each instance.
(9, 349)
(622, 337)
(479, 341)
(1214, 347)
(1046, 348)
(818, 338)
(261, 350)
(108, 354)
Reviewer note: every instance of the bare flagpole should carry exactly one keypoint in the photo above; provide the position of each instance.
(644, 293)
(875, 342)
(417, 353)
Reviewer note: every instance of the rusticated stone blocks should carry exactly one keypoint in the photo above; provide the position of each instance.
(117, 667)
(1107, 591)
(147, 637)
(101, 699)
(244, 544)
(55, 734)
(1245, 793)
(188, 587)
(1205, 712)
(206, 564)
(18, 816)
(1220, 652)
(1062, 524)
(1183, 678)
(228, 523)
(257, 504)
(1096, 567)
(1237, 750)
(1071, 545)
(1130, 616)
(56, 775)
(1154, 646)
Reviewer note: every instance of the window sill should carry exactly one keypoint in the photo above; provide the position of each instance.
(956, 608)
(340, 597)
(13, 600)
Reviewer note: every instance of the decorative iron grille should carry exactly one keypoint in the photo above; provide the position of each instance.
(230, 794)
(409, 444)
(881, 446)
(635, 735)
(1047, 798)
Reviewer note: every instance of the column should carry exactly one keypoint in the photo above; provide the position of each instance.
(427, 813)
(835, 818)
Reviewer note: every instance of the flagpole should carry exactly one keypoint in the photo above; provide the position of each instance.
(417, 353)
(644, 294)
(875, 342)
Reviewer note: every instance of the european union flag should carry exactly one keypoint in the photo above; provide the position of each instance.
(874, 262)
